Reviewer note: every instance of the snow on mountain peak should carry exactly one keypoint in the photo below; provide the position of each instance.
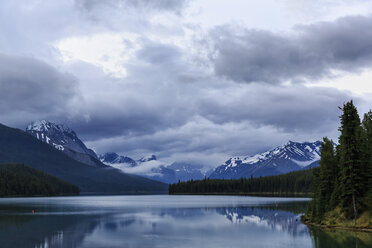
(64, 139)
(43, 126)
(288, 157)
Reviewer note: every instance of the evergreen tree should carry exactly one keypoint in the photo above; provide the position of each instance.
(324, 183)
(327, 173)
(351, 181)
(314, 211)
(367, 155)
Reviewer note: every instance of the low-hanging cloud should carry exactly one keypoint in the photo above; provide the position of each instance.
(310, 52)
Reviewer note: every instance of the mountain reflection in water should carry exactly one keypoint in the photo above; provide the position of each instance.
(224, 222)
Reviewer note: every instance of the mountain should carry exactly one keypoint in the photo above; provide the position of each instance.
(112, 158)
(292, 156)
(151, 168)
(147, 159)
(148, 167)
(17, 146)
(64, 139)
(173, 173)
(185, 171)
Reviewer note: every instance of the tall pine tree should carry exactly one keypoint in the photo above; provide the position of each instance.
(351, 180)
(367, 155)
(324, 183)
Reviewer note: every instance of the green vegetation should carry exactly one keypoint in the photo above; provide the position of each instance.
(293, 183)
(343, 181)
(21, 180)
(19, 147)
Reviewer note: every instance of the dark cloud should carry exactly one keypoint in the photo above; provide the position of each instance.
(289, 108)
(30, 87)
(310, 52)
(152, 111)
(170, 102)
(156, 53)
(147, 100)
(165, 5)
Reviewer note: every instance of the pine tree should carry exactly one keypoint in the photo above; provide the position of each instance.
(327, 173)
(367, 155)
(351, 181)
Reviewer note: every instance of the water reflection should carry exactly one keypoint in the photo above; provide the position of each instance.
(164, 222)
(340, 238)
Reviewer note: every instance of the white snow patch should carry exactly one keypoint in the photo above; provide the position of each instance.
(308, 148)
(304, 163)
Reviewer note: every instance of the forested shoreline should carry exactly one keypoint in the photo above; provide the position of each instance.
(294, 183)
(22, 180)
(343, 181)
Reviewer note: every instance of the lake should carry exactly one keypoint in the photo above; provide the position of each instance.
(164, 221)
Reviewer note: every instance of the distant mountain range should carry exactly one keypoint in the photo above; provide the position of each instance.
(292, 156)
(17, 146)
(150, 167)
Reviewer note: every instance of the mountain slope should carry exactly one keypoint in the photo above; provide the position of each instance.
(22, 180)
(64, 139)
(17, 146)
(292, 156)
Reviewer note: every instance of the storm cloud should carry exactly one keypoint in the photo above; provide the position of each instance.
(158, 77)
(308, 52)
(168, 5)
(30, 87)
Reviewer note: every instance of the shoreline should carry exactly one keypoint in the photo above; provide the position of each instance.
(263, 194)
(348, 228)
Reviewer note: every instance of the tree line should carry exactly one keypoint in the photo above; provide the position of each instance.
(22, 180)
(344, 178)
(298, 182)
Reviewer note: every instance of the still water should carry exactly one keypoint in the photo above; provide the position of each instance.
(164, 221)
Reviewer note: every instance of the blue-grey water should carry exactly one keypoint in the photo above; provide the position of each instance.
(163, 221)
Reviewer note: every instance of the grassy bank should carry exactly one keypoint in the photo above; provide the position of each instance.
(335, 219)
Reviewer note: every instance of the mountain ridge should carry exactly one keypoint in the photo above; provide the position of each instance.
(17, 146)
(291, 156)
(65, 139)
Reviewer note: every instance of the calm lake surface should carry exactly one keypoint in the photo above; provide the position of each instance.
(164, 221)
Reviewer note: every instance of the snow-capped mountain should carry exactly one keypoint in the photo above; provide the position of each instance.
(64, 139)
(290, 157)
(152, 168)
(113, 158)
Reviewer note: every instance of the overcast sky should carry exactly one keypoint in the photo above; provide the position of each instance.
(186, 80)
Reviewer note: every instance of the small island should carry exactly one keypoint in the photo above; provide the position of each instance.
(22, 180)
